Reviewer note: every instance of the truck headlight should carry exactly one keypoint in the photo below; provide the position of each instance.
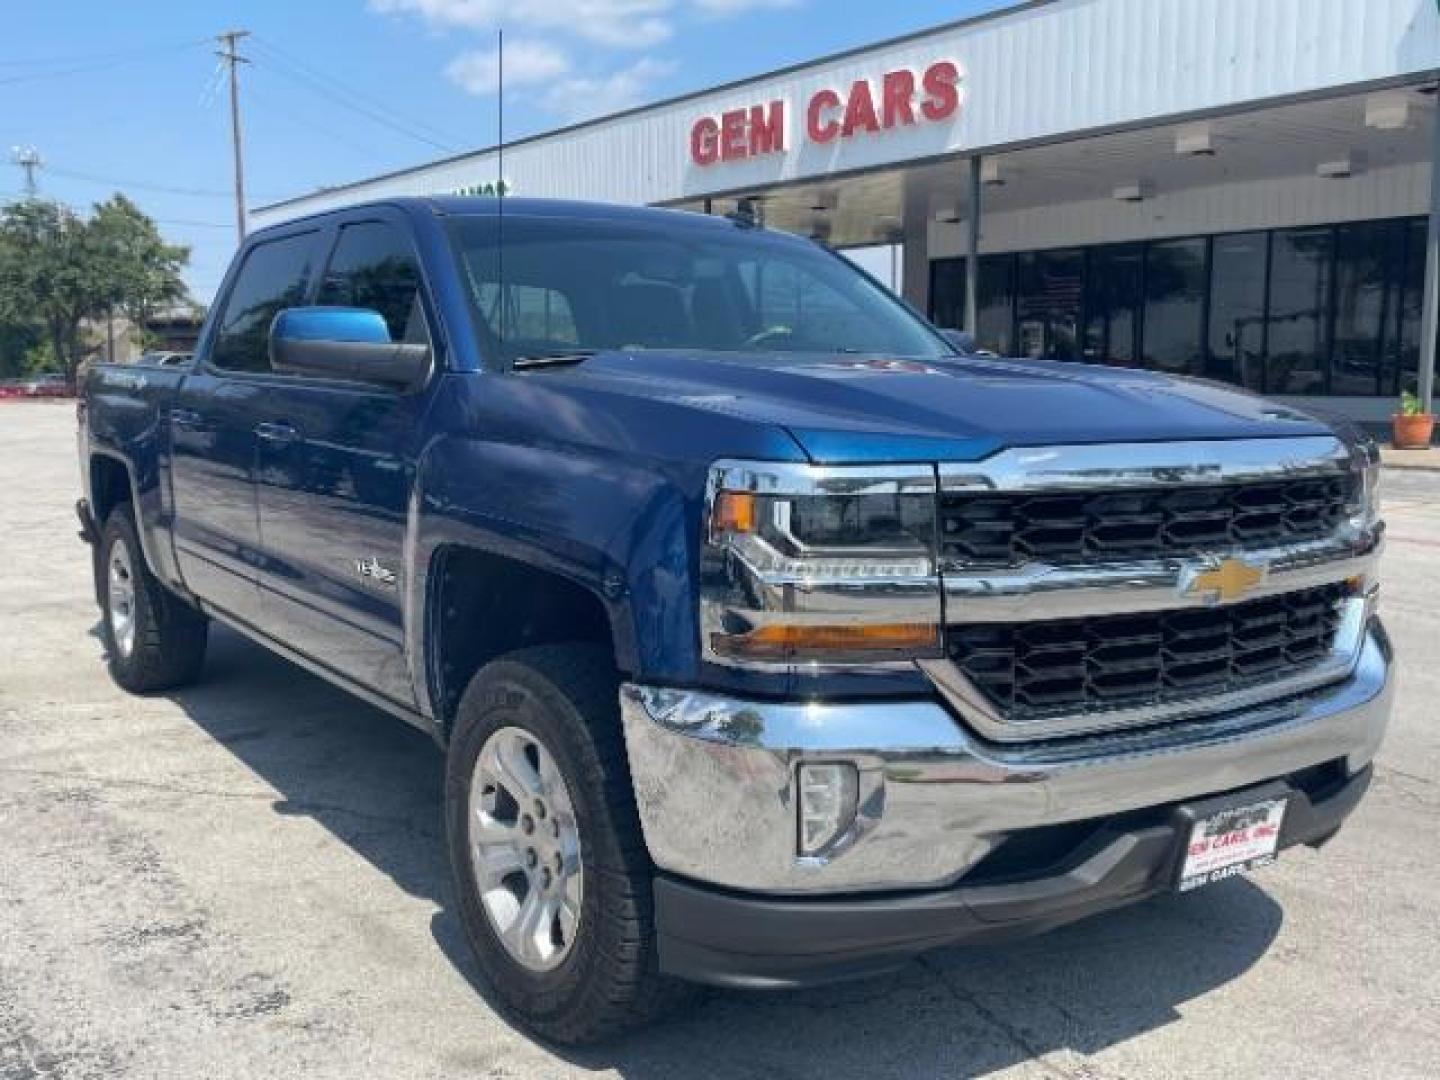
(819, 565)
(1365, 491)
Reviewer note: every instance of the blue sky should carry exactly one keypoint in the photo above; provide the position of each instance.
(128, 96)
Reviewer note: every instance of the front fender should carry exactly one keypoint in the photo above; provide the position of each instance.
(616, 526)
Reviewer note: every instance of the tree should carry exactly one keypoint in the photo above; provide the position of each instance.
(141, 269)
(47, 273)
(21, 346)
(58, 269)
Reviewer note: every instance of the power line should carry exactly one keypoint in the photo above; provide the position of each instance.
(301, 67)
(115, 54)
(108, 181)
(191, 223)
(301, 120)
(84, 69)
(277, 63)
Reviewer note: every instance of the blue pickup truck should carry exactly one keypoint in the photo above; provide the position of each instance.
(770, 638)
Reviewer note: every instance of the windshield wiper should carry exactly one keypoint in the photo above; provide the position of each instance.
(559, 358)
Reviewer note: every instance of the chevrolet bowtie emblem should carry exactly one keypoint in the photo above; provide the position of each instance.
(1226, 581)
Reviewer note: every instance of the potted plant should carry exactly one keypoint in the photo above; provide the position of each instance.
(1411, 427)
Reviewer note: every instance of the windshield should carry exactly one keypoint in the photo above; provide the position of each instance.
(575, 285)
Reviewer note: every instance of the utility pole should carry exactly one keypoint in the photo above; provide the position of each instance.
(29, 159)
(234, 59)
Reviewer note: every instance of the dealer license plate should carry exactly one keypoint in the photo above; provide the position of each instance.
(1230, 842)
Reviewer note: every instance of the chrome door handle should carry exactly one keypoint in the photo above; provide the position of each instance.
(188, 419)
(277, 433)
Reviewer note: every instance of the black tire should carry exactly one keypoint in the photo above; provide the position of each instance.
(167, 647)
(566, 696)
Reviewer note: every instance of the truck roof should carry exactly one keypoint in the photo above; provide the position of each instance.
(489, 205)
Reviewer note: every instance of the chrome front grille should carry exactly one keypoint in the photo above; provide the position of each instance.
(1092, 588)
(1012, 528)
(1028, 671)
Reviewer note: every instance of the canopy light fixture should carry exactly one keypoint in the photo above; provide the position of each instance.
(991, 174)
(1136, 192)
(1388, 111)
(825, 200)
(1341, 168)
(1194, 140)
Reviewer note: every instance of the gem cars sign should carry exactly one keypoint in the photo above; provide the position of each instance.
(898, 99)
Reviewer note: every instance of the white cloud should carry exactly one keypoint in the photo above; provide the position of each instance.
(570, 94)
(580, 97)
(633, 24)
(527, 63)
(723, 8)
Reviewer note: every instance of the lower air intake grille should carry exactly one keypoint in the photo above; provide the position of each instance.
(1034, 670)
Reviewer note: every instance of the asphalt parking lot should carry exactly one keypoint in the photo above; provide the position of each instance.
(246, 880)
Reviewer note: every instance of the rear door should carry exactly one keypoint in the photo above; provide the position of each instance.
(336, 467)
(212, 427)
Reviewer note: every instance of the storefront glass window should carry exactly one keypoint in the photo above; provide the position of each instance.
(1048, 289)
(1411, 297)
(1331, 309)
(1112, 303)
(1368, 261)
(996, 302)
(947, 293)
(1236, 345)
(1174, 305)
(1300, 266)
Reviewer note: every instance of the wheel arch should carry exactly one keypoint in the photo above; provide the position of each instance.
(480, 605)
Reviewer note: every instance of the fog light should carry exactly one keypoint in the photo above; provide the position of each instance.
(828, 792)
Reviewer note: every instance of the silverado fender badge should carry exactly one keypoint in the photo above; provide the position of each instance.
(1221, 582)
(372, 568)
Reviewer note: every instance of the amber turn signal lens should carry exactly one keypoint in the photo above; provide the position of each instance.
(734, 512)
(783, 642)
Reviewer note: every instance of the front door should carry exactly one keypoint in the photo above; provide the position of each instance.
(335, 470)
(212, 421)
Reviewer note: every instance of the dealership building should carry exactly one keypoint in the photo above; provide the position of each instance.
(1236, 189)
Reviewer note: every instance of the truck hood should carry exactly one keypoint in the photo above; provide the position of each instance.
(858, 408)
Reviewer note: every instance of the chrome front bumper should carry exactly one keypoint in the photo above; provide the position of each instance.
(715, 777)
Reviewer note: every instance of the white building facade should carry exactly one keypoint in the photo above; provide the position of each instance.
(1237, 189)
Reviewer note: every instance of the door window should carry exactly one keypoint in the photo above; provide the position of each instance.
(374, 267)
(273, 277)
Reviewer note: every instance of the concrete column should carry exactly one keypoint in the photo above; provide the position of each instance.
(915, 249)
(1430, 318)
(972, 252)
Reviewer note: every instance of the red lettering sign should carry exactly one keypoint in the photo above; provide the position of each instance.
(767, 128)
(705, 141)
(820, 122)
(738, 134)
(859, 111)
(942, 90)
(758, 130)
(899, 93)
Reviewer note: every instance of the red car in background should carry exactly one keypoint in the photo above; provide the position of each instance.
(35, 386)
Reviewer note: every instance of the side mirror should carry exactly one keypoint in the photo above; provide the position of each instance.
(344, 343)
(963, 340)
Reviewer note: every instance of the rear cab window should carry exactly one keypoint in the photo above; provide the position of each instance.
(374, 266)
